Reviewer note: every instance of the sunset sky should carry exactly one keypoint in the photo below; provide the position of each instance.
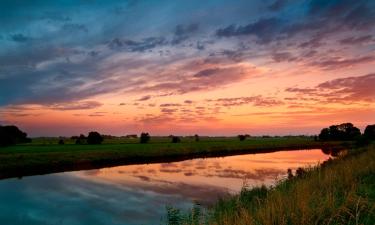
(214, 67)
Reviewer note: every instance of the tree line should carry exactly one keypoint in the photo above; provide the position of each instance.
(11, 135)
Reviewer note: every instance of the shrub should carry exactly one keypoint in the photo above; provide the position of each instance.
(145, 138)
(176, 139)
(196, 137)
(241, 137)
(94, 138)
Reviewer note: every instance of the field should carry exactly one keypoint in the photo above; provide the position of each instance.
(45, 155)
(341, 191)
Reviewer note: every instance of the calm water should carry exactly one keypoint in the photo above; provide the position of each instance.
(138, 194)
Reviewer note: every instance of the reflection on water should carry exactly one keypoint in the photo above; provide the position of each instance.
(138, 194)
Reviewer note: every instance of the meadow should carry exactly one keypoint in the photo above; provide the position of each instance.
(341, 191)
(45, 155)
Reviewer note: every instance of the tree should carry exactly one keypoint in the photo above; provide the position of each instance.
(94, 138)
(61, 142)
(176, 139)
(145, 138)
(196, 137)
(369, 133)
(11, 135)
(241, 137)
(342, 132)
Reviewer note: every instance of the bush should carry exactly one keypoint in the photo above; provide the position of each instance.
(196, 137)
(145, 138)
(94, 138)
(242, 137)
(176, 139)
(61, 142)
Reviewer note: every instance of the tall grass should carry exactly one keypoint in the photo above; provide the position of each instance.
(339, 192)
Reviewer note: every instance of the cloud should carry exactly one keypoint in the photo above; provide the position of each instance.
(278, 5)
(337, 63)
(183, 32)
(76, 105)
(20, 38)
(356, 40)
(144, 98)
(263, 29)
(209, 78)
(254, 100)
(137, 46)
(342, 90)
(283, 56)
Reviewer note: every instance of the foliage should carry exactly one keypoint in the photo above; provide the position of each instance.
(369, 133)
(11, 135)
(145, 138)
(176, 139)
(342, 132)
(94, 138)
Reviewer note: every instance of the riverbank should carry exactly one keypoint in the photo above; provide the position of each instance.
(33, 159)
(341, 191)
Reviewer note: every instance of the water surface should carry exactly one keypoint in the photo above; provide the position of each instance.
(138, 194)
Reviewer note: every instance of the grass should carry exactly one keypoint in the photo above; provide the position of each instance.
(46, 156)
(341, 191)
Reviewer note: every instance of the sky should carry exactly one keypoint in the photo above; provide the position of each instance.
(214, 67)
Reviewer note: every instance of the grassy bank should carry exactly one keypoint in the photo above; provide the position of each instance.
(46, 156)
(340, 192)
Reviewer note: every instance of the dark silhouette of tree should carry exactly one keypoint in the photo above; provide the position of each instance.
(145, 138)
(81, 139)
(369, 133)
(241, 137)
(11, 135)
(342, 132)
(196, 137)
(94, 138)
(61, 142)
(176, 139)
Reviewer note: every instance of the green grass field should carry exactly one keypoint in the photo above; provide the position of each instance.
(341, 191)
(46, 156)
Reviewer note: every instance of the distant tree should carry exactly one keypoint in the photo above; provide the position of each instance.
(315, 138)
(342, 132)
(369, 133)
(241, 137)
(145, 138)
(61, 142)
(81, 139)
(94, 138)
(196, 137)
(11, 135)
(176, 139)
